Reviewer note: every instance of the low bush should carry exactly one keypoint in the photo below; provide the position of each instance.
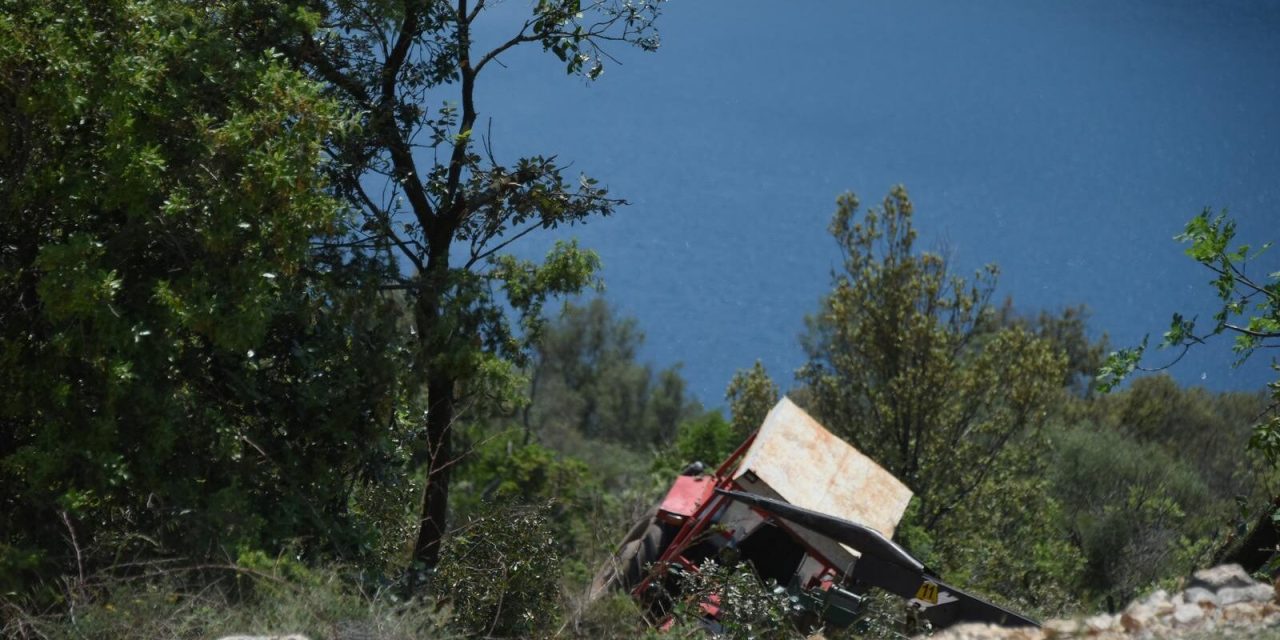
(257, 595)
(501, 573)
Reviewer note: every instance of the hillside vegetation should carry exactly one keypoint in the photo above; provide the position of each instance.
(239, 392)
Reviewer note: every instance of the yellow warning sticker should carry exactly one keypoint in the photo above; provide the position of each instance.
(928, 592)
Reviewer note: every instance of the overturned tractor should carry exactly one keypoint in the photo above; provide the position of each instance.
(809, 512)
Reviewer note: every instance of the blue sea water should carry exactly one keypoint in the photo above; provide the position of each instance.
(1066, 141)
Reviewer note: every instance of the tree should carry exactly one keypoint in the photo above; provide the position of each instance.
(1067, 332)
(1250, 310)
(1208, 431)
(449, 207)
(1149, 477)
(176, 365)
(708, 438)
(751, 394)
(587, 382)
(906, 362)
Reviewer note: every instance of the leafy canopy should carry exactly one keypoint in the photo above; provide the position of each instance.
(906, 363)
(175, 363)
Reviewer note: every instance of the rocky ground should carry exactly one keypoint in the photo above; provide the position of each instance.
(1222, 602)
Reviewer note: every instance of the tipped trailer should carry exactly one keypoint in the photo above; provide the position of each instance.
(809, 512)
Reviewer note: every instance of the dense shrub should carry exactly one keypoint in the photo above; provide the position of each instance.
(747, 607)
(501, 572)
(181, 373)
(1132, 509)
(708, 439)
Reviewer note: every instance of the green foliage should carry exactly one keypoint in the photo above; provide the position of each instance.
(709, 439)
(1009, 544)
(1067, 332)
(748, 608)
(161, 308)
(501, 572)
(751, 394)
(906, 362)
(595, 437)
(258, 598)
(612, 616)
(1208, 431)
(526, 474)
(587, 387)
(1118, 365)
(1249, 309)
(1157, 414)
(1131, 507)
(1184, 442)
(180, 289)
(884, 617)
(1255, 300)
(498, 471)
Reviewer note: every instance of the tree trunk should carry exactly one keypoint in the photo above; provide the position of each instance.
(441, 383)
(435, 495)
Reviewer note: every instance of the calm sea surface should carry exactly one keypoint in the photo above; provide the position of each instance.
(1065, 141)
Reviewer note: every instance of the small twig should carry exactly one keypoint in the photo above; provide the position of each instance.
(1185, 348)
(75, 546)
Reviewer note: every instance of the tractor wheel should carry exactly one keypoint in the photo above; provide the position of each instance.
(645, 552)
(642, 546)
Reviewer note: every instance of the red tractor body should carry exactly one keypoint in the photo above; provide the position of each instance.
(808, 511)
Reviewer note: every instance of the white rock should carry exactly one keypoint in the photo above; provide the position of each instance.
(1227, 575)
(1026, 633)
(1199, 595)
(1060, 628)
(1101, 622)
(1156, 597)
(1157, 629)
(1137, 617)
(1244, 613)
(1255, 593)
(970, 631)
(1185, 615)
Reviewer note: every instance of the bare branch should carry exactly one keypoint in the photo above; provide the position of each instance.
(475, 12)
(313, 55)
(1185, 348)
(519, 38)
(1250, 332)
(453, 184)
(481, 255)
(1248, 282)
(385, 221)
(400, 50)
(401, 154)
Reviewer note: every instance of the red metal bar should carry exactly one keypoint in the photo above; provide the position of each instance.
(736, 457)
(700, 520)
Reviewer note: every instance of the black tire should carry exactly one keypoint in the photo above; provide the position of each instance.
(642, 546)
(646, 551)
